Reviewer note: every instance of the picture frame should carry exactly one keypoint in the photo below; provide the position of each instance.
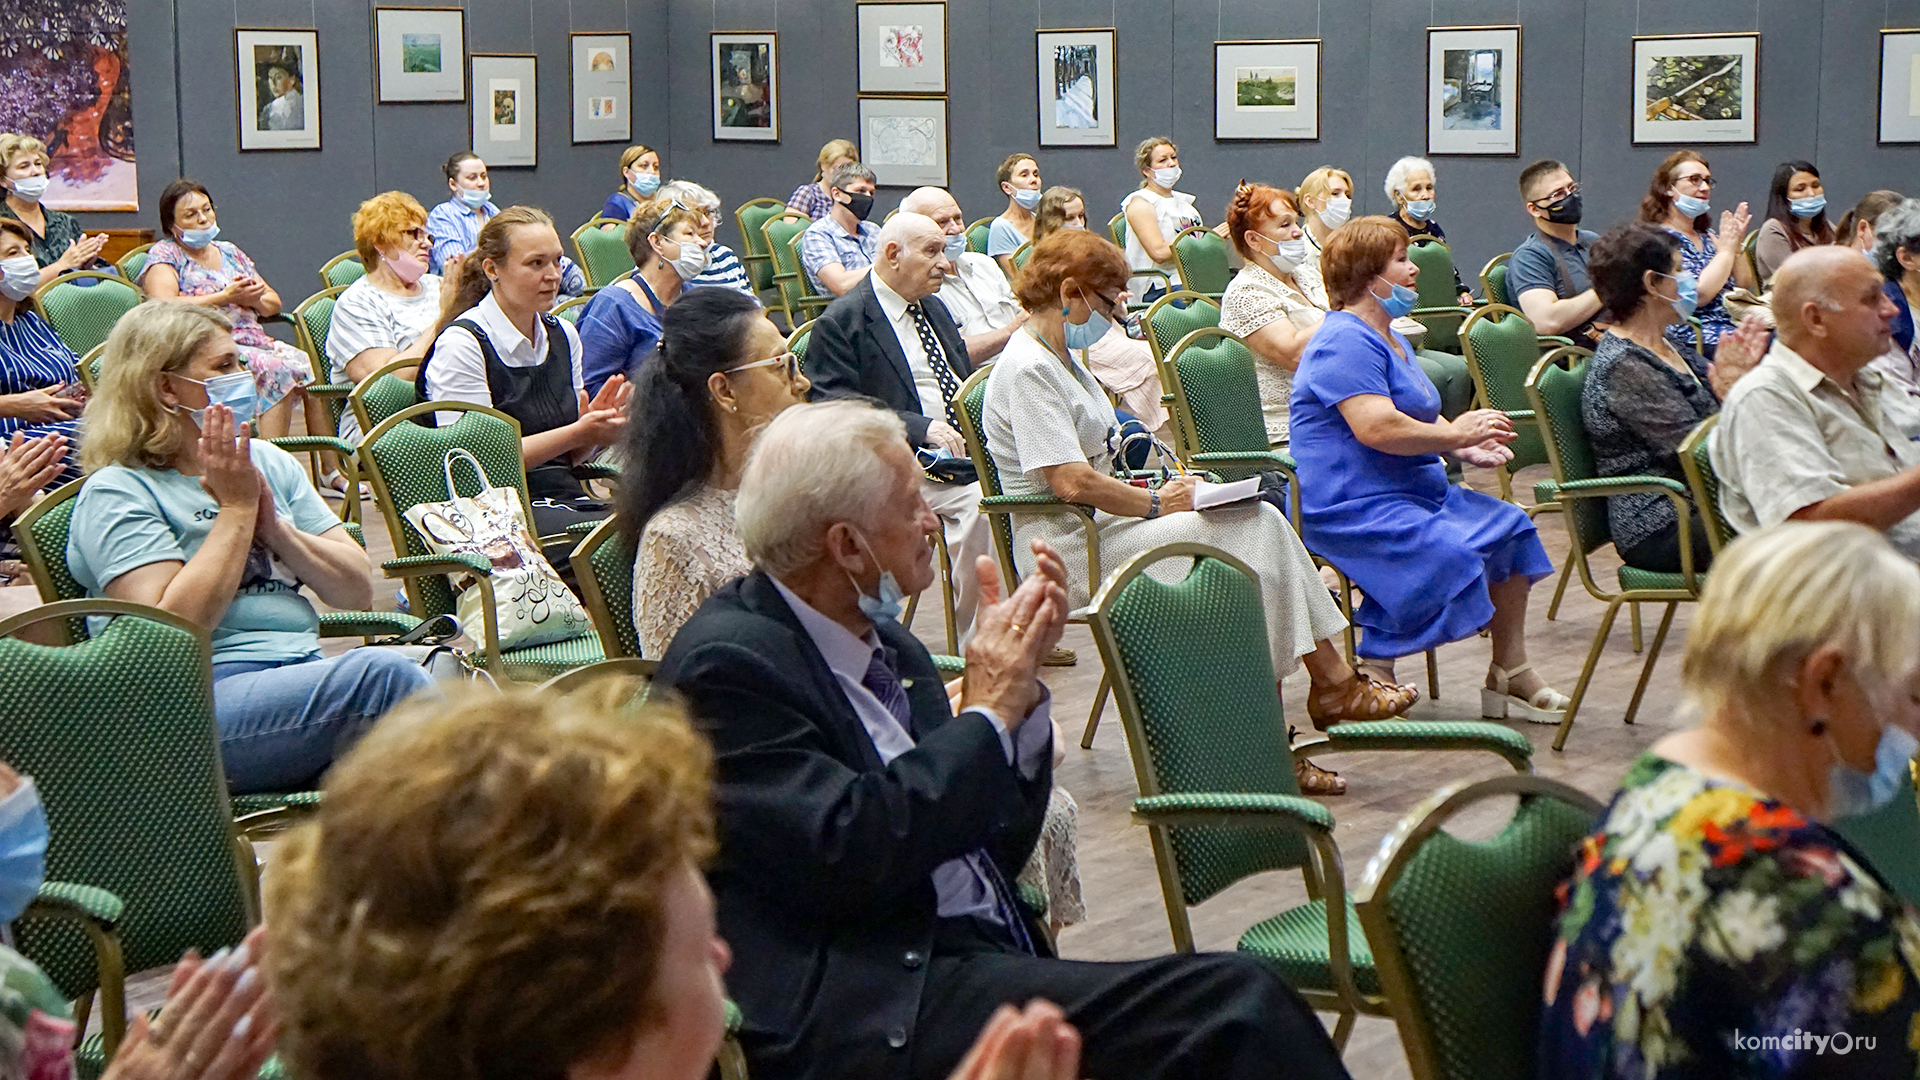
(1266, 91)
(420, 54)
(277, 78)
(903, 47)
(745, 82)
(904, 140)
(1074, 73)
(600, 86)
(1681, 81)
(1473, 90)
(505, 119)
(1899, 119)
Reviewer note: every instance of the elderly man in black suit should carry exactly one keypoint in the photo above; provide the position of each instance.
(867, 834)
(889, 338)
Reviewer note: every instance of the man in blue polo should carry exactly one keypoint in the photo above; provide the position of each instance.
(1547, 275)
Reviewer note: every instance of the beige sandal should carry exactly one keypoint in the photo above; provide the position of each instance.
(1546, 706)
(1360, 698)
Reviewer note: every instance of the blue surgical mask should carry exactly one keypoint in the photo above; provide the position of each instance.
(199, 238)
(1851, 793)
(645, 183)
(1691, 205)
(235, 390)
(886, 607)
(1806, 208)
(1399, 302)
(1689, 297)
(1083, 335)
(23, 849)
(956, 247)
(1027, 199)
(475, 198)
(1420, 209)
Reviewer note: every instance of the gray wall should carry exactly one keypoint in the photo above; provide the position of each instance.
(1818, 90)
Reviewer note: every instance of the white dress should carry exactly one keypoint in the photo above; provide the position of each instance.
(1172, 213)
(1255, 298)
(1040, 412)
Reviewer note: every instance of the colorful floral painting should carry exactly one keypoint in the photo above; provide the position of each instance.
(64, 80)
(902, 46)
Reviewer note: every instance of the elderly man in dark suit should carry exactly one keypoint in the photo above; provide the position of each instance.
(889, 338)
(867, 834)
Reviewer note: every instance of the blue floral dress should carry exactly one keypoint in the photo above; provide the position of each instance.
(1709, 931)
(1712, 313)
(278, 368)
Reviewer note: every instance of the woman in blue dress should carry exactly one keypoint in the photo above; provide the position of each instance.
(1436, 562)
(621, 325)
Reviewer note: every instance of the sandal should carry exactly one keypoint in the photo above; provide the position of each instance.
(1360, 698)
(334, 481)
(1546, 706)
(1314, 780)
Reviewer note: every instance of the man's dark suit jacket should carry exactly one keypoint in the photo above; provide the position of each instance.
(854, 352)
(823, 881)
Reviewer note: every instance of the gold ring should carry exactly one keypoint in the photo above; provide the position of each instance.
(1018, 629)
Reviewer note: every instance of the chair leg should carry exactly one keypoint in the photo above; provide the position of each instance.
(1586, 674)
(1635, 616)
(1560, 590)
(1653, 654)
(946, 591)
(1433, 676)
(1099, 706)
(1342, 1030)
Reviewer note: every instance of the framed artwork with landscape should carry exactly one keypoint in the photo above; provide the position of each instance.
(600, 87)
(1696, 88)
(746, 86)
(903, 48)
(1899, 86)
(1075, 75)
(506, 109)
(1266, 90)
(278, 72)
(420, 54)
(1473, 90)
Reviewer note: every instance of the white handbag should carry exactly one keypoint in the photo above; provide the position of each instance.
(532, 606)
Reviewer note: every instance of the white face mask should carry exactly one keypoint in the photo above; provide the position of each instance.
(1288, 254)
(19, 276)
(690, 261)
(1168, 177)
(1335, 214)
(31, 188)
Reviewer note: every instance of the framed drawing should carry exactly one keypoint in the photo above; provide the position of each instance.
(1473, 90)
(506, 110)
(600, 83)
(903, 48)
(420, 54)
(1266, 90)
(278, 72)
(904, 140)
(746, 86)
(1698, 88)
(1076, 105)
(1899, 86)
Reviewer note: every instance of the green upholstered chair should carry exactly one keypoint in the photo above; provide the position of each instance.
(118, 733)
(1195, 685)
(1439, 307)
(1461, 929)
(1201, 255)
(603, 564)
(750, 216)
(1173, 317)
(89, 366)
(1554, 391)
(1501, 347)
(405, 461)
(312, 319)
(1749, 249)
(1218, 426)
(602, 252)
(133, 262)
(797, 296)
(798, 341)
(1117, 229)
(1888, 837)
(1704, 484)
(83, 305)
(573, 307)
(381, 394)
(342, 270)
(1493, 280)
(1021, 254)
(977, 235)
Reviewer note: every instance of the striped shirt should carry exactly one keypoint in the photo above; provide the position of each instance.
(724, 270)
(456, 231)
(32, 357)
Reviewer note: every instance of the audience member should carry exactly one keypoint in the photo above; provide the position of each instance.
(1326, 203)
(1410, 184)
(1155, 215)
(860, 821)
(1547, 276)
(1856, 228)
(190, 264)
(1814, 433)
(386, 314)
(815, 197)
(1051, 432)
(1435, 561)
(724, 269)
(455, 224)
(40, 389)
(639, 179)
(1896, 253)
(1644, 394)
(27, 468)
(1060, 208)
(182, 511)
(1796, 218)
(1716, 924)
(1019, 179)
(497, 345)
(620, 328)
(57, 242)
(976, 293)
(838, 248)
(892, 340)
(1677, 198)
(1266, 304)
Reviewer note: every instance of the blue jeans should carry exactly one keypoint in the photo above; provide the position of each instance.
(282, 723)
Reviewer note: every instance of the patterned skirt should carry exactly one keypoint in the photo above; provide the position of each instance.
(277, 370)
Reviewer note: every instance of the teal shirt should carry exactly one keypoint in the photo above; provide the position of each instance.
(126, 518)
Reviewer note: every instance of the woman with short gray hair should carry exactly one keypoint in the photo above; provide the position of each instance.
(724, 269)
(1896, 251)
(1410, 184)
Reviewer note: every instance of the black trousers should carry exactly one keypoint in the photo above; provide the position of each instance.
(1220, 1016)
(1660, 552)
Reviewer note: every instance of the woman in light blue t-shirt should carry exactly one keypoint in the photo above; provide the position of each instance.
(180, 514)
(1019, 178)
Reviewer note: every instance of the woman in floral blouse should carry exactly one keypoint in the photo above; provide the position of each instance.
(1715, 924)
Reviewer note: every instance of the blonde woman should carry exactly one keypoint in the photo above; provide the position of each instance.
(639, 179)
(59, 245)
(1155, 215)
(1060, 207)
(1326, 203)
(183, 512)
(813, 198)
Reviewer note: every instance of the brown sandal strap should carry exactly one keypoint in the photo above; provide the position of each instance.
(1361, 699)
(1314, 780)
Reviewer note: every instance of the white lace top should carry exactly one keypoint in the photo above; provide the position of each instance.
(688, 550)
(1255, 298)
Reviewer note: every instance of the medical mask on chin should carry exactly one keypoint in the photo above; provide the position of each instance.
(891, 602)
(956, 247)
(235, 390)
(199, 238)
(691, 260)
(1336, 212)
(31, 188)
(1690, 205)
(406, 266)
(474, 198)
(1399, 301)
(1166, 178)
(23, 849)
(644, 183)
(1420, 209)
(1083, 335)
(1852, 793)
(19, 276)
(1027, 199)
(1807, 208)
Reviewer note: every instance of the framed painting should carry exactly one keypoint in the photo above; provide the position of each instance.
(903, 48)
(1698, 88)
(904, 140)
(278, 76)
(505, 127)
(420, 54)
(1473, 90)
(1266, 90)
(746, 86)
(600, 82)
(1899, 86)
(1075, 79)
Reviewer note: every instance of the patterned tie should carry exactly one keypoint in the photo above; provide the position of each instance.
(937, 360)
(885, 685)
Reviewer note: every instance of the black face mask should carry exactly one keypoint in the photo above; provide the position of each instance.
(1566, 211)
(860, 205)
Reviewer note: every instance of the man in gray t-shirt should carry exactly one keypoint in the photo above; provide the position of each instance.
(1547, 274)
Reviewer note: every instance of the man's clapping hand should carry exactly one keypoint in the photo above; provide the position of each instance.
(1011, 637)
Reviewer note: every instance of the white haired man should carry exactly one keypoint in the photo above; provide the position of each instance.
(976, 292)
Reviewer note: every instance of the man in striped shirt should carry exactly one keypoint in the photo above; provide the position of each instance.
(724, 268)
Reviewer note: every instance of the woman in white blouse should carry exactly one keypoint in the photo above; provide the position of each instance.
(387, 314)
(1155, 215)
(1270, 303)
(1325, 199)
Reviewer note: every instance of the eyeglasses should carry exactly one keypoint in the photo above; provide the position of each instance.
(791, 360)
(1564, 193)
(1696, 179)
(415, 234)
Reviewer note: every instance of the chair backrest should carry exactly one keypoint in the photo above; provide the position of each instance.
(1117, 228)
(133, 262)
(343, 269)
(1176, 315)
(1555, 392)
(406, 462)
(118, 734)
(573, 307)
(750, 216)
(1696, 460)
(89, 366)
(1461, 929)
(83, 305)
(1201, 255)
(1021, 254)
(1889, 837)
(1493, 280)
(798, 341)
(382, 394)
(312, 319)
(602, 251)
(1749, 250)
(781, 232)
(41, 530)
(1501, 347)
(1216, 397)
(603, 565)
(971, 402)
(977, 235)
(1435, 283)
